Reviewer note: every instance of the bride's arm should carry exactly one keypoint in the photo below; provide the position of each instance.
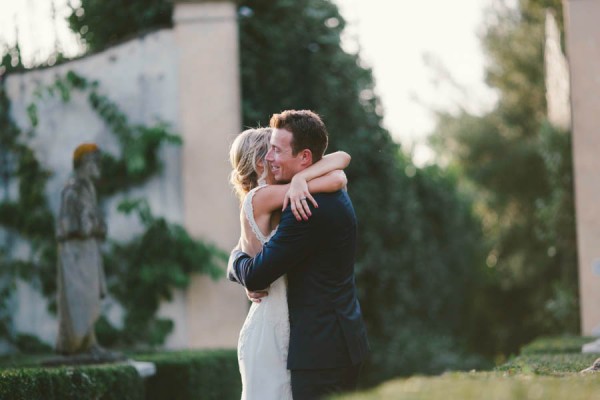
(323, 176)
(299, 193)
(271, 198)
(327, 164)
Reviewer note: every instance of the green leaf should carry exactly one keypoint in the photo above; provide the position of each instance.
(33, 115)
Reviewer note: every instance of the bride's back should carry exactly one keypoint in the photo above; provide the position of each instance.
(257, 227)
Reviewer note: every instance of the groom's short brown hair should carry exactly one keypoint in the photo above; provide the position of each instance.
(307, 128)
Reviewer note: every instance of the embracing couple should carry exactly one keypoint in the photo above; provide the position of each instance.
(304, 337)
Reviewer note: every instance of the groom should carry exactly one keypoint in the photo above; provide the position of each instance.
(328, 342)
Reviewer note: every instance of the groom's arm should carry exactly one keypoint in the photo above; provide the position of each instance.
(289, 248)
(235, 259)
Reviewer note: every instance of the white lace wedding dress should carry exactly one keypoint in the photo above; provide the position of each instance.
(264, 338)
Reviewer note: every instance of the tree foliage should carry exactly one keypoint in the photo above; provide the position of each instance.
(520, 169)
(419, 258)
(100, 23)
(146, 270)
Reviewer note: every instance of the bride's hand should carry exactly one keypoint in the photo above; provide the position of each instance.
(256, 297)
(298, 197)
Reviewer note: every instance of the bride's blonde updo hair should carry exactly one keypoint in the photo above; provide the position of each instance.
(246, 150)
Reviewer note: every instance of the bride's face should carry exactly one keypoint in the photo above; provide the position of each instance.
(269, 178)
(260, 170)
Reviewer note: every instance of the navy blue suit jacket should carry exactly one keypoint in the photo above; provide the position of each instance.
(326, 326)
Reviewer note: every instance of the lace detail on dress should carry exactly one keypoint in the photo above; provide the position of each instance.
(249, 213)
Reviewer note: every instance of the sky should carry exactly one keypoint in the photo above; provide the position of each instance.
(36, 29)
(416, 49)
(424, 54)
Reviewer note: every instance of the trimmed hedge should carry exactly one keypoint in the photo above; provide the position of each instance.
(556, 345)
(105, 382)
(548, 364)
(180, 375)
(194, 375)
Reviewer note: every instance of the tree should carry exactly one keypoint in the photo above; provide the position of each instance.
(519, 167)
(101, 23)
(419, 254)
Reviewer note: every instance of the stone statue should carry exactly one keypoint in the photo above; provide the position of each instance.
(595, 367)
(80, 232)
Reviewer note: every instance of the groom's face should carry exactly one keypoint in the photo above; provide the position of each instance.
(284, 165)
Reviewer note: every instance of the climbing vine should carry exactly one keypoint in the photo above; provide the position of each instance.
(24, 215)
(141, 272)
(139, 143)
(147, 268)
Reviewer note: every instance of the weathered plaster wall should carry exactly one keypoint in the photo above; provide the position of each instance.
(140, 76)
(583, 51)
(187, 76)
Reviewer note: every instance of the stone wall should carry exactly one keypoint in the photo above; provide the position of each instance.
(166, 76)
(583, 51)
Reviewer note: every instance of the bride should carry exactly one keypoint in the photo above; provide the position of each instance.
(264, 338)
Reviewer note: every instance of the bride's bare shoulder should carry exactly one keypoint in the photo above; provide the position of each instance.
(269, 199)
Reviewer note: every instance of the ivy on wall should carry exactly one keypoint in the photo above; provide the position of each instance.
(147, 269)
(26, 218)
(139, 143)
(141, 272)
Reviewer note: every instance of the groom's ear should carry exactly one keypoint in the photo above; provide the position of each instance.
(306, 157)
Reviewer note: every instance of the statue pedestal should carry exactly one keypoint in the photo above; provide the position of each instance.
(592, 347)
(145, 369)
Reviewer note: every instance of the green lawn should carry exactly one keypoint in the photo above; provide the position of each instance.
(486, 386)
(547, 369)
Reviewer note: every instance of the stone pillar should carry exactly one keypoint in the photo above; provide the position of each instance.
(556, 69)
(206, 34)
(583, 50)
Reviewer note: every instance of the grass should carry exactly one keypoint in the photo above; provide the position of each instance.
(547, 369)
(485, 385)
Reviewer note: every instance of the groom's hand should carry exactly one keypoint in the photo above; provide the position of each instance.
(256, 297)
